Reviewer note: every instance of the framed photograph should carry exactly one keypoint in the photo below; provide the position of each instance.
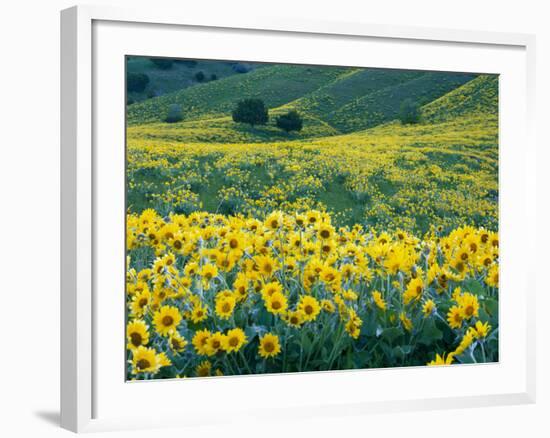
(302, 217)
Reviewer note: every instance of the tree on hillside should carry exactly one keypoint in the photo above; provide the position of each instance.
(291, 121)
(163, 63)
(251, 111)
(409, 112)
(199, 76)
(136, 82)
(174, 114)
(241, 68)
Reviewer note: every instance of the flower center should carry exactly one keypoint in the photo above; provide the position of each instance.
(269, 346)
(136, 339)
(167, 320)
(143, 364)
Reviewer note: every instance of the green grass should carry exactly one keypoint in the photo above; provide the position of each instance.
(180, 76)
(331, 100)
(382, 105)
(479, 96)
(276, 85)
(224, 130)
(347, 211)
(349, 87)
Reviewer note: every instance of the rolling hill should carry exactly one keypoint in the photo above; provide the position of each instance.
(276, 85)
(383, 103)
(179, 74)
(332, 101)
(479, 96)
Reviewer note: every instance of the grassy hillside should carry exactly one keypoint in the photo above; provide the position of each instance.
(389, 176)
(179, 76)
(348, 88)
(224, 130)
(479, 96)
(383, 104)
(276, 85)
(331, 100)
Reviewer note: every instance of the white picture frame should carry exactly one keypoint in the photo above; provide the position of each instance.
(81, 170)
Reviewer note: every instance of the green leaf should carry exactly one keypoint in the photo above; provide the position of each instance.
(349, 358)
(388, 351)
(316, 364)
(360, 359)
(491, 306)
(430, 333)
(264, 317)
(392, 333)
(473, 286)
(306, 343)
(464, 358)
(402, 350)
(369, 326)
(251, 332)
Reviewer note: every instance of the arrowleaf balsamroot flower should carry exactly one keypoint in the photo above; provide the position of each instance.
(166, 320)
(269, 346)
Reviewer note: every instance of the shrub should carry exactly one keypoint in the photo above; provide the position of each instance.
(163, 63)
(291, 121)
(241, 68)
(213, 76)
(136, 82)
(199, 76)
(174, 114)
(409, 112)
(251, 111)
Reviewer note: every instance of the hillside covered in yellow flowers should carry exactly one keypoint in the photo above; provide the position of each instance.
(357, 241)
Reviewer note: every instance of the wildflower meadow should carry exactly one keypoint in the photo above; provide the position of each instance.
(304, 218)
